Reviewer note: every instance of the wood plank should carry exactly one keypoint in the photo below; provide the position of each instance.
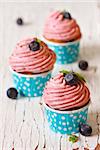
(23, 125)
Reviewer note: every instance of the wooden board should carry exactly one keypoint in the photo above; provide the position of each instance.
(22, 123)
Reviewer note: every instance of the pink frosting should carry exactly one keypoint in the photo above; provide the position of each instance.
(60, 29)
(25, 60)
(61, 96)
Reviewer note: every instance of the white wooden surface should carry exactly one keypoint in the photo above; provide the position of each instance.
(22, 122)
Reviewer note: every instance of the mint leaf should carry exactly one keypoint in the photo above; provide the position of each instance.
(38, 40)
(73, 138)
(65, 72)
(80, 77)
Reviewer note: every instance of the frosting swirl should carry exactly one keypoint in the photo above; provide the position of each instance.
(24, 60)
(58, 29)
(61, 96)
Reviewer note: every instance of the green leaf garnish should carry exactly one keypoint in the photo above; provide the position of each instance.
(65, 71)
(73, 138)
(38, 40)
(79, 76)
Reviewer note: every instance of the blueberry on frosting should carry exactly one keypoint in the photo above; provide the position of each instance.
(71, 79)
(34, 45)
(67, 15)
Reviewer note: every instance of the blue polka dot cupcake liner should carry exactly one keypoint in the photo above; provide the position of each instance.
(30, 85)
(66, 53)
(66, 122)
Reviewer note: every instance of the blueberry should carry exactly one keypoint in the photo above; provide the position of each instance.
(19, 21)
(12, 93)
(83, 65)
(85, 129)
(71, 79)
(34, 46)
(67, 15)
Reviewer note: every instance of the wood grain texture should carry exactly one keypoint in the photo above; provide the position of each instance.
(23, 125)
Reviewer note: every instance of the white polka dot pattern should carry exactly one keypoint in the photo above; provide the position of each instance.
(31, 87)
(66, 123)
(66, 54)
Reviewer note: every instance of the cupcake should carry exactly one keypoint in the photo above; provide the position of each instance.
(66, 99)
(62, 34)
(31, 64)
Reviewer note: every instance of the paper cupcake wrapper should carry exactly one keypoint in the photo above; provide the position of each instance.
(66, 53)
(30, 85)
(66, 122)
